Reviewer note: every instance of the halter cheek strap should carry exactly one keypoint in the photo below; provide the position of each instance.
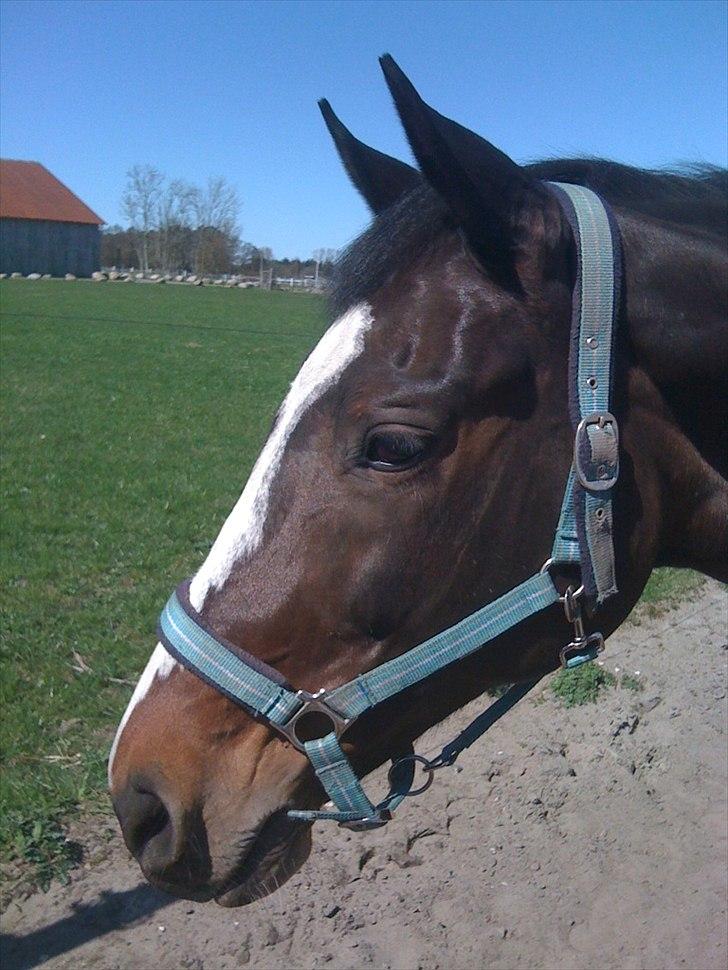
(584, 532)
(583, 539)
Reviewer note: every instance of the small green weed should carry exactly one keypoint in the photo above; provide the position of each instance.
(630, 683)
(581, 685)
(40, 844)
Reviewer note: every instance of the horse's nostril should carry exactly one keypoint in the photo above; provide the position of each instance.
(167, 838)
(147, 824)
(152, 821)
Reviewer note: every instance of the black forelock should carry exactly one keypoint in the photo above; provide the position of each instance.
(694, 196)
(394, 238)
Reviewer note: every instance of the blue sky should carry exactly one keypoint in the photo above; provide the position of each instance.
(230, 88)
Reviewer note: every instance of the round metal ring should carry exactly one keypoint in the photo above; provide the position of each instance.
(298, 722)
(417, 758)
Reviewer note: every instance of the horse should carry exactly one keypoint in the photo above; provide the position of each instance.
(415, 471)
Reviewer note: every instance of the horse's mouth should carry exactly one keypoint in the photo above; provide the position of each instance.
(279, 849)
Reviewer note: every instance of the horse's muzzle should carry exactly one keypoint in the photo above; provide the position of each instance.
(168, 841)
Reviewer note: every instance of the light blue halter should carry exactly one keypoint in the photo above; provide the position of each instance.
(314, 723)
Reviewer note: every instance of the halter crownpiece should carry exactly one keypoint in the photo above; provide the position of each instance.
(314, 723)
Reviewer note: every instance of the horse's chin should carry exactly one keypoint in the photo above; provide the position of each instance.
(278, 852)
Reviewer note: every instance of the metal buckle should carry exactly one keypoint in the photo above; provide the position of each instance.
(582, 650)
(604, 467)
(584, 646)
(370, 822)
(572, 606)
(313, 704)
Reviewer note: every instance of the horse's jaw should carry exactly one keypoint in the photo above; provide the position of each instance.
(260, 862)
(275, 853)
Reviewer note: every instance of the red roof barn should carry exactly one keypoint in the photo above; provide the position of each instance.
(44, 227)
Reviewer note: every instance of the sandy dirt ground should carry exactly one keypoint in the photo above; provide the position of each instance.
(590, 837)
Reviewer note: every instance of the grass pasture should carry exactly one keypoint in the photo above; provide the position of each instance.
(132, 415)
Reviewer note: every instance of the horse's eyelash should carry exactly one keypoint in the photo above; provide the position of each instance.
(400, 442)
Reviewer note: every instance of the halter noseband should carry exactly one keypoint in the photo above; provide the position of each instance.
(314, 723)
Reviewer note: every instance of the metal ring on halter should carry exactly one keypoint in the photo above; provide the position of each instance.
(546, 568)
(570, 594)
(426, 766)
(313, 704)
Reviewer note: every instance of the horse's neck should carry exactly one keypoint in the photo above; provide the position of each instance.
(677, 323)
(676, 314)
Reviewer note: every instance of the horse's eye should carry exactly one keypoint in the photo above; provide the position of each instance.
(388, 449)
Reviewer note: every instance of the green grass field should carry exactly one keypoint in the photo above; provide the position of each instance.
(132, 415)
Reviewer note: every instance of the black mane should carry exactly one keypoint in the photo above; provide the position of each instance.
(696, 196)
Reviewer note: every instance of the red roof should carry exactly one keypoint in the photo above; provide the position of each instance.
(29, 191)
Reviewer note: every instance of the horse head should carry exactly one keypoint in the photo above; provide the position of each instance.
(413, 473)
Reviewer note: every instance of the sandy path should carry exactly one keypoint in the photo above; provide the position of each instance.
(594, 837)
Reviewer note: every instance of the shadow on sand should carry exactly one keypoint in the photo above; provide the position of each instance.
(89, 921)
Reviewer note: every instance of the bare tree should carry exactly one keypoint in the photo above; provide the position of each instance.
(139, 204)
(265, 255)
(247, 254)
(217, 205)
(215, 210)
(174, 224)
(323, 258)
(318, 257)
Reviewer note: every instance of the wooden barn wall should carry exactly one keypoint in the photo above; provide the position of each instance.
(37, 246)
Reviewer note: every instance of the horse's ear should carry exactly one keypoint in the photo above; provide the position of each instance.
(380, 179)
(483, 187)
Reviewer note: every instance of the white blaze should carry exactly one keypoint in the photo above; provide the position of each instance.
(243, 530)
(160, 665)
